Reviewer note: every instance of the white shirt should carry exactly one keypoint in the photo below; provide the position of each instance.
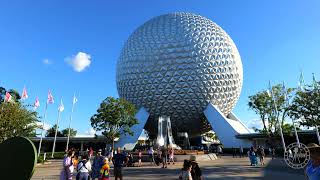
(84, 168)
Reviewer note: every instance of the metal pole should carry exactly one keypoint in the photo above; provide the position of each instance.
(296, 133)
(43, 121)
(55, 135)
(281, 133)
(67, 147)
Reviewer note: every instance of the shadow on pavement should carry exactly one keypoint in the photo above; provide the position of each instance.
(277, 169)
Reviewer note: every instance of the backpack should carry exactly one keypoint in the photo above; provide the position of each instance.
(84, 162)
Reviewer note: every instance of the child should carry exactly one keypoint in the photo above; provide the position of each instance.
(105, 170)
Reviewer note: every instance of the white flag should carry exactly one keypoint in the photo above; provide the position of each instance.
(8, 97)
(50, 98)
(61, 106)
(24, 94)
(36, 104)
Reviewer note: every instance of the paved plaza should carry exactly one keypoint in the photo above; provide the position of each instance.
(227, 168)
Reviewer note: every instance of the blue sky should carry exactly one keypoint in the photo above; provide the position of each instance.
(39, 39)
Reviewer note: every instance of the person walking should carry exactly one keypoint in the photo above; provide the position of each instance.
(105, 170)
(159, 156)
(262, 155)
(151, 155)
(83, 168)
(241, 151)
(171, 155)
(90, 152)
(253, 157)
(67, 170)
(118, 160)
(139, 158)
(219, 151)
(185, 173)
(234, 152)
(97, 165)
(196, 172)
(273, 152)
(164, 154)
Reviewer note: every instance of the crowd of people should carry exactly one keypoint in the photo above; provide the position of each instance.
(97, 167)
(84, 169)
(256, 153)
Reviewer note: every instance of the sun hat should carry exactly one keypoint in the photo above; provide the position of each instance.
(314, 149)
(193, 158)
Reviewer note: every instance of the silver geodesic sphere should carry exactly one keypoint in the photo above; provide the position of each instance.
(174, 65)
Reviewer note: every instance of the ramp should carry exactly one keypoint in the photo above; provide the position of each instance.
(227, 128)
(129, 142)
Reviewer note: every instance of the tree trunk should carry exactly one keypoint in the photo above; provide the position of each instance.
(264, 124)
(113, 143)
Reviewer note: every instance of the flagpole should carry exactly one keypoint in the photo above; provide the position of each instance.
(55, 135)
(73, 103)
(315, 87)
(43, 121)
(280, 128)
(276, 111)
(293, 122)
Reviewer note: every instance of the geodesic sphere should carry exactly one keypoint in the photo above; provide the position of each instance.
(175, 64)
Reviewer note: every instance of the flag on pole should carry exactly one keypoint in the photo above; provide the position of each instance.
(8, 97)
(50, 98)
(314, 81)
(301, 82)
(36, 104)
(74, 100)
(61, 106)
(24, 94)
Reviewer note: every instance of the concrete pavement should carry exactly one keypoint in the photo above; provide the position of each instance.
(226, 168)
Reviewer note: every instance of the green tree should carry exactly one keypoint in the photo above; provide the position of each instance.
(2, 94)
(15, 94)
(16, 120)
(260, 103)
(305, 106)
(51, 132)
(65, 132)
(114, 117)
(271, 111)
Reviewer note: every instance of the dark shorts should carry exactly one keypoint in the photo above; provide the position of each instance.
(117, 171)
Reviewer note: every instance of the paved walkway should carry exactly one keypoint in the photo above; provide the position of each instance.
(226, 168)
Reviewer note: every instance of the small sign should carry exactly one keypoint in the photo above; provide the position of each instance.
(297, 155)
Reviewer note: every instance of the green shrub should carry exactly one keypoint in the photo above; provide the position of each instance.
(57, 155)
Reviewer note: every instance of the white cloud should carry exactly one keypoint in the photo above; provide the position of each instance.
(89, 133)
(80, 61)
(46, 125)
(255, 123)
(47, 62)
